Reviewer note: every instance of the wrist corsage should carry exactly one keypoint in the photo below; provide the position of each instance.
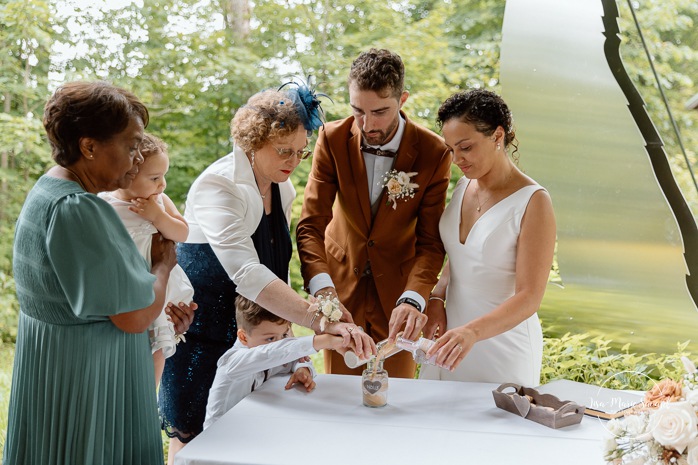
(399, 186)
(180, 337)
(328, 311)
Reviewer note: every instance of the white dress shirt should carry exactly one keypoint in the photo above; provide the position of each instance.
(376, 167)
(241, 370)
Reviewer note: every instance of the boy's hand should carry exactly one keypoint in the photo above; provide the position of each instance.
(328, 341)
(302, 376)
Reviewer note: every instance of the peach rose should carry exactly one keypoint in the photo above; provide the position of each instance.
(394, 187)
(667, 390)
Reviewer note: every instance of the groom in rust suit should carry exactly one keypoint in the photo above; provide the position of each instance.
(380, 256)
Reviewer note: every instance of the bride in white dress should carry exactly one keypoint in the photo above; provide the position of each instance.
(499, 235)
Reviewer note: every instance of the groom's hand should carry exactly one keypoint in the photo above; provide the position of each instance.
(412, 318)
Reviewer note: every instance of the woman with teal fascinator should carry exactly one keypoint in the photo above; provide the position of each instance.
(239, 212)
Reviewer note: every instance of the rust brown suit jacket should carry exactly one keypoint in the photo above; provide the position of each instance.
(337, 234)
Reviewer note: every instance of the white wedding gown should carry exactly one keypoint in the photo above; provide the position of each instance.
(483, 273)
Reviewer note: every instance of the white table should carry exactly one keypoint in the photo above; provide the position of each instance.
(424, 423)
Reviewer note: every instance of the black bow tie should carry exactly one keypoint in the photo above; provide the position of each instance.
(378, 152)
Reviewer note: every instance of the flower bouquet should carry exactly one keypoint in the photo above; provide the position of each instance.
(663, 430)
(399, 186)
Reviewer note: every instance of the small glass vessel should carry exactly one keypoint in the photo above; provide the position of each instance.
(418, 348)
(352, 361)
(374, 384)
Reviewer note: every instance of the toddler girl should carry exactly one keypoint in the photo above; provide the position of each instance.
(145, 210)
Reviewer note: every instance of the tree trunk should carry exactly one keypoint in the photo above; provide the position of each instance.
(237, 15)
(5, 156)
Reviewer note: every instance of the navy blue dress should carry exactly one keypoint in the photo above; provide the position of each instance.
(189, 373)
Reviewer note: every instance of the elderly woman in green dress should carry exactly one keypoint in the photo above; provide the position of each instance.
(83, 387)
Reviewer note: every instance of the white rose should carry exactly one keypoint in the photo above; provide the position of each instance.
(336, 315)
(688, 365)
(616, 426)
(635, 425)
(692, 458)
(327, 308)
(609, 444)
(691, 395)
(403, 178)
(673, 425)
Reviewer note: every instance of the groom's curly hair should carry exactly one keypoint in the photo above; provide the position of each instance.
(381, 71)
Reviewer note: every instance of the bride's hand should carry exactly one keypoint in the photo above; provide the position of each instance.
(354, 338)
(452, 347)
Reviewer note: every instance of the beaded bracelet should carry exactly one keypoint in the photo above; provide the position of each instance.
(315, 315)
(436, 297)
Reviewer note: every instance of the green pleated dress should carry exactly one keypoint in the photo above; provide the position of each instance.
(83, 391)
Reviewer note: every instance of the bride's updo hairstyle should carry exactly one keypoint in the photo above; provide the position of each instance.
(482, 108)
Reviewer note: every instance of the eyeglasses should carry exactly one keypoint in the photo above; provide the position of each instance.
(287, 154)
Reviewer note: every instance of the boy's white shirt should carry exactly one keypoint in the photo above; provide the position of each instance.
(241, 370)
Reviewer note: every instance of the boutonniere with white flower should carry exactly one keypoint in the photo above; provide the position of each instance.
(399, 186)
(329, 310)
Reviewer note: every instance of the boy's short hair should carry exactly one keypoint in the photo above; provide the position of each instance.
(249, 315)
(381, 71)
(152, 145)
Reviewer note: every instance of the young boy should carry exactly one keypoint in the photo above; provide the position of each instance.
(265, 347)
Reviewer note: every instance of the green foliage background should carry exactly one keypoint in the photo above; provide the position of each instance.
(194, 68)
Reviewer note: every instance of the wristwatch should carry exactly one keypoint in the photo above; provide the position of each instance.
(407, 300)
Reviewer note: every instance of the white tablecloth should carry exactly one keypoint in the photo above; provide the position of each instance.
(424, 423)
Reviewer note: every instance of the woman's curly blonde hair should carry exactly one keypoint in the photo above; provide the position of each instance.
(268, 115)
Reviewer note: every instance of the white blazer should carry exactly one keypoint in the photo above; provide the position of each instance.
(223, 209)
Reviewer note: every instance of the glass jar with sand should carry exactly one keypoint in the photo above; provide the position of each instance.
(374, 384)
